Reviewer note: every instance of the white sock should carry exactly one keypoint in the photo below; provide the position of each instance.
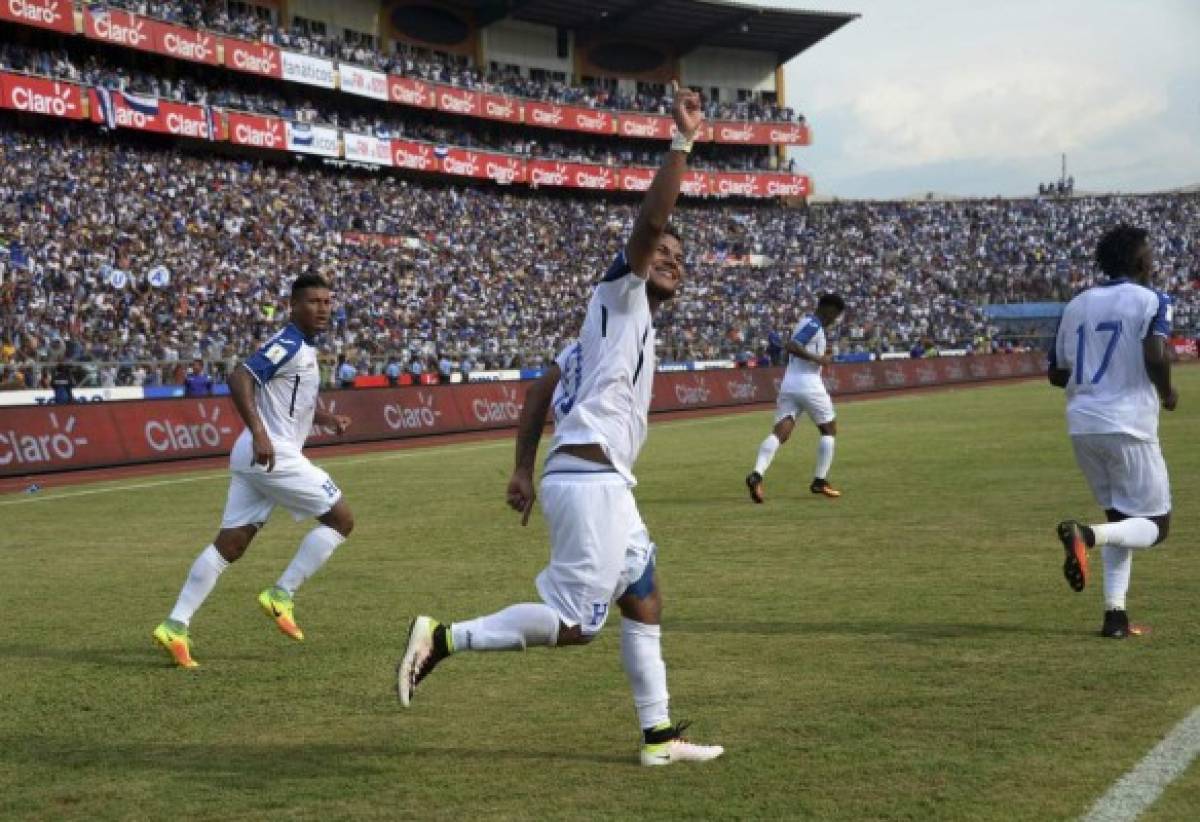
(766, 453)
(201, 579)
(1118, 562)
(641, 654)
(316, 547)
(513, 629)
(1135, 532)
(824, 455)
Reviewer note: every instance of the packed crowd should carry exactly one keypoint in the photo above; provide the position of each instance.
(435, 67)
(116, 253)
(236, 93)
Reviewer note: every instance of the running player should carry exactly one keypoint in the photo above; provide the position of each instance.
(803, 392)
(275, 393)
(1110, 354)
(600, 550)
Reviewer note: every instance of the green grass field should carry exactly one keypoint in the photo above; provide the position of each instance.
(910, 651)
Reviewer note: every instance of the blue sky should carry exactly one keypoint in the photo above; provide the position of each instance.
(981, 97)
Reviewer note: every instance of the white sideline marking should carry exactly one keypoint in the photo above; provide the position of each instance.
(1137, 790)
(224, 474)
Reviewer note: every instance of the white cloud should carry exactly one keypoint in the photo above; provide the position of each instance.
(982, 97)
(987, 112)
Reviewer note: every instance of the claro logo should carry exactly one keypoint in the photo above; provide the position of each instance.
(742, 389)
(131, 35)
(169, 435)
(401, 417)
(263, 62)
(58, 104)
(33, 449)
(44, 13)
(504, 410)
(694, 393)
(269, 136)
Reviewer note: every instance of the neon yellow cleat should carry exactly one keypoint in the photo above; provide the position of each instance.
(278, 605)
(173, 637)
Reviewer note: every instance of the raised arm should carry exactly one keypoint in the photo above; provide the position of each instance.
(664, 191)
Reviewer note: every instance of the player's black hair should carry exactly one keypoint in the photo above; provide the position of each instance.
(833, 301)
(1117, 251)
(305, 281)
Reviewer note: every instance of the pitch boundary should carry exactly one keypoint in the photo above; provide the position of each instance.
(1141, 787)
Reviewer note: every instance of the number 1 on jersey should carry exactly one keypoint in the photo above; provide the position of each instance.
(1111, 326)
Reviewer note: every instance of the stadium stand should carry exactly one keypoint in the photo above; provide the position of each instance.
(132, 253)
(478, 274)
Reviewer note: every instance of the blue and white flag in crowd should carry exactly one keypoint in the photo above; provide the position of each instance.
(213, 119)
(302, 134)
(159, 276)
(113, 276)
(17, 256)
(108, 110)
(141, 103)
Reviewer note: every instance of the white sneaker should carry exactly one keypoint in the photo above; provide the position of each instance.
(413, 667)
(677, 749)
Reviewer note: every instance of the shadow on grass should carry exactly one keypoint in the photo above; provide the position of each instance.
(272, 761)
(913, 632)
(126, 656)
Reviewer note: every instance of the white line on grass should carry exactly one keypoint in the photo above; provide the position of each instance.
(221, 474)
(224, 474)
(1137, 790)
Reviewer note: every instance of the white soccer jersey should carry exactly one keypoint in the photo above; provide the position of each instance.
(1099, 341)
(801, 374)
(603, 397)
(288, 377)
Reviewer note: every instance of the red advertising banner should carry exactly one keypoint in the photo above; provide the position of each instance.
(571, 175)
(737, 185)
(763, 134)
(57, 15)
(409, 92)
(1184, 348)
(695, 184)
(783, 185)
(120, 28)
(490, 404)
(413, 155)
(253, 58)
(636, 179)
(38, 439)
(646, 126)
(457, 100)
(391, 413)
(499, 107)
(569, 118)
(503, 168)
(257, 131)
(40, 96)
(186, 44)
(160, 116)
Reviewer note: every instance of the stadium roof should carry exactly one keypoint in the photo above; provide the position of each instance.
(683, 24)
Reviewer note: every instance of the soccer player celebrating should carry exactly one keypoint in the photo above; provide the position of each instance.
(802, 391)
(275, 393)
(1110, 355)
(600, 551)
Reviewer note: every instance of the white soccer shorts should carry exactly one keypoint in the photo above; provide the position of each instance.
(813, 401)
(599, 545)
(295, 484)
(1124, 473)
